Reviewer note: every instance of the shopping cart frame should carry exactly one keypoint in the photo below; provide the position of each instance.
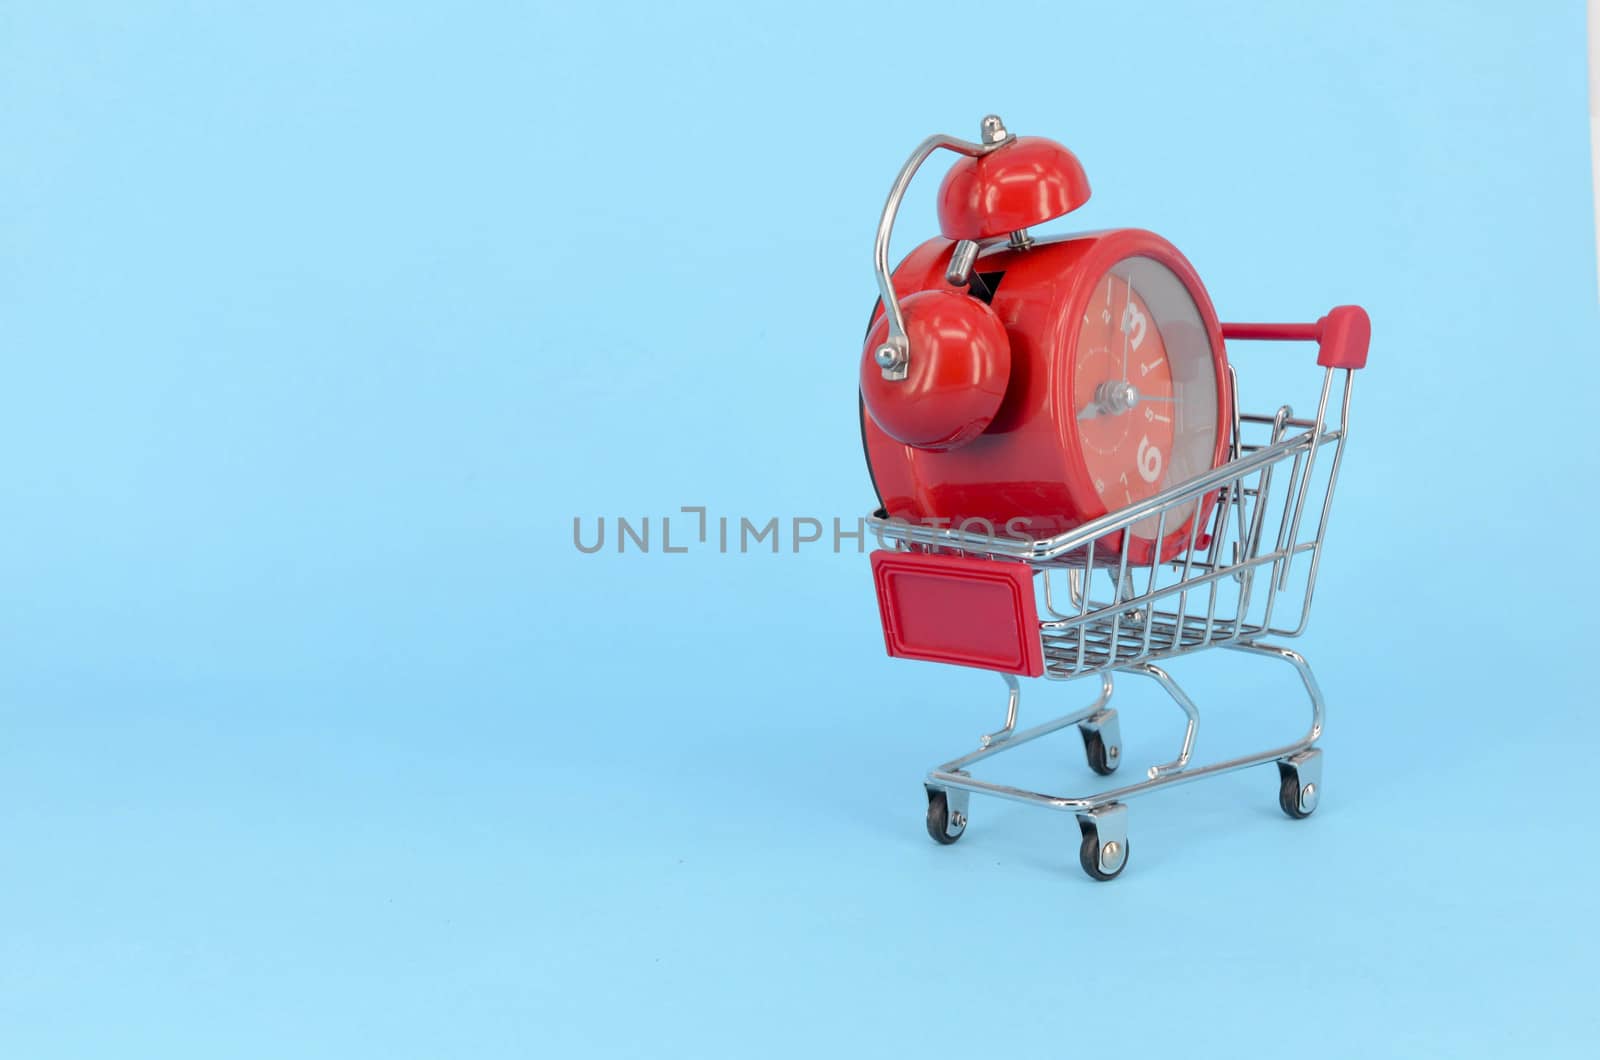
(1226, 588)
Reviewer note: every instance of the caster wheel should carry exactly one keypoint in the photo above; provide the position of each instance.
(1294, 800)
(1094, 748)
(943, 826)
(1093, 859)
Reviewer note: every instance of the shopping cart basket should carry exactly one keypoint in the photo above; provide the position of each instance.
(1061, 608)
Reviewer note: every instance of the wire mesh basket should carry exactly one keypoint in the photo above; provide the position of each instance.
(1075, 605)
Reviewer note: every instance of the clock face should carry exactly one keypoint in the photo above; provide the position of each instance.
(1144, 388)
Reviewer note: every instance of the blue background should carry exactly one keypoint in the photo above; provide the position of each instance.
(319, 738)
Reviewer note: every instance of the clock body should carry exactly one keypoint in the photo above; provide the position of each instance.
(1117, 389)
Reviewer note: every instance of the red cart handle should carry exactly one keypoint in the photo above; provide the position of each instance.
(1342, 337)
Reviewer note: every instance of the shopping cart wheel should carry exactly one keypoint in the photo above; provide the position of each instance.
(1102, 742)
(946, 824)
(1300, 783)
(1296, 799)
(1104, 850)
(1094, 748)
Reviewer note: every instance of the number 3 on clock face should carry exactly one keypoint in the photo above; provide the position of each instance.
(1134, 323)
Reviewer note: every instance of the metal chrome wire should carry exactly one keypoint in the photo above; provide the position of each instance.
(1248, 573)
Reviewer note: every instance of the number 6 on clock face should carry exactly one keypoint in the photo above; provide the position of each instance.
(1149, 458)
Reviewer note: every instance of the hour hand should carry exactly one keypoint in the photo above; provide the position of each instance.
(1111, 398)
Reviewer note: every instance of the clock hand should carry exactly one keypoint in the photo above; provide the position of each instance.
(1113, 399)
(1126, 306)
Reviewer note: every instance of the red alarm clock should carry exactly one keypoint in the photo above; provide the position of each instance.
(1034, 384)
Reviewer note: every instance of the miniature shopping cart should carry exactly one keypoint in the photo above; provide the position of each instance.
(1069, 606)
(1080, 386)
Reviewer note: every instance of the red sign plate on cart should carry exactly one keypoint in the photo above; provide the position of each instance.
(949, 609)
